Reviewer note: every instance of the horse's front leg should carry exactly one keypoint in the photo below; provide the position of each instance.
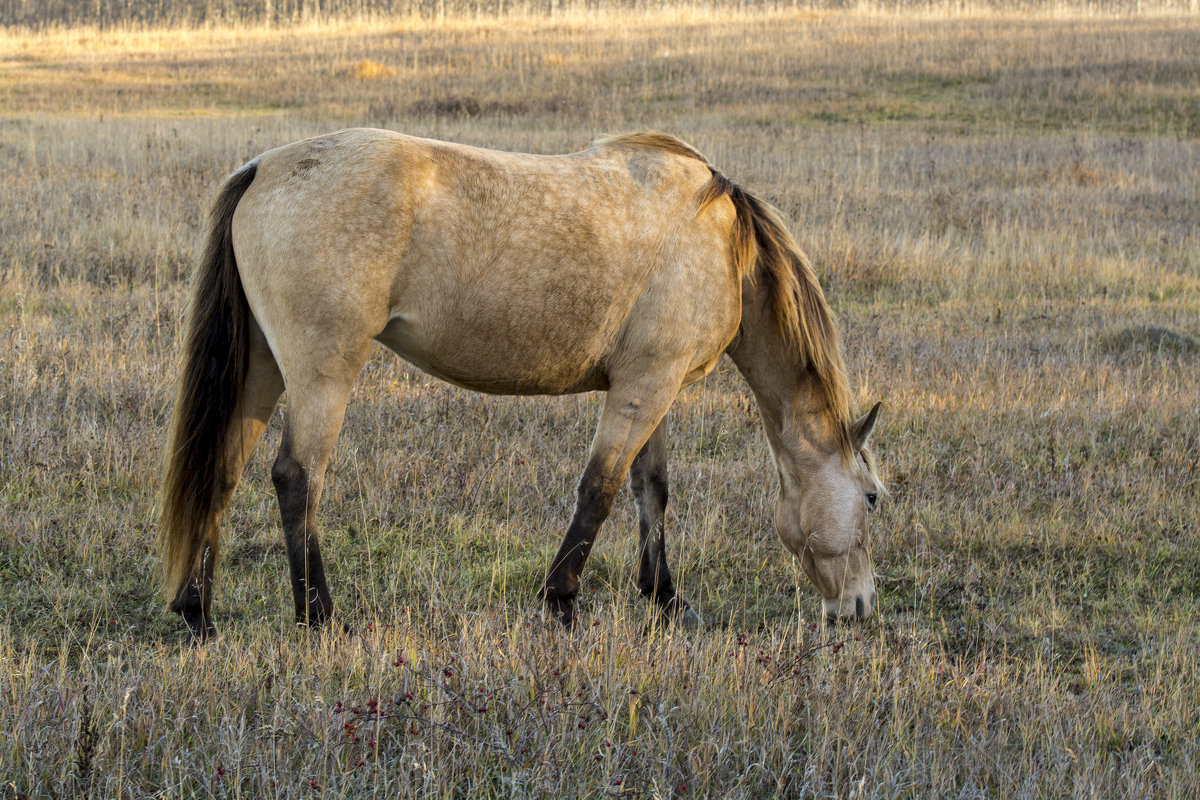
(631, 413)
(648, 480)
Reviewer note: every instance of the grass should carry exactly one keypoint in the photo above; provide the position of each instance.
(1002, 207)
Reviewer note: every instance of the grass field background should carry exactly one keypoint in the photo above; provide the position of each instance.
(1003, 206)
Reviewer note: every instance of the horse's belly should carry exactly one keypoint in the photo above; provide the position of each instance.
(496, 365)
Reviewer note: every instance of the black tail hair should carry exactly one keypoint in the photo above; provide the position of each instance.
(215, 358)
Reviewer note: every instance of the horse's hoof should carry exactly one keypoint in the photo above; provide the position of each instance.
(201, 636)
(329, 625)
(678, 612)
(688, 618)
(200, 629)
(562, 609)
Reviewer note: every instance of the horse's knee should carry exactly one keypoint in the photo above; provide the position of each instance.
(286, 471)
(656, 484)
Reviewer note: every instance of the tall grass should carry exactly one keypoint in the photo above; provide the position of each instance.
(1001, 206)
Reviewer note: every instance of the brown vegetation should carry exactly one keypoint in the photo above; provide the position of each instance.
(1002, 207)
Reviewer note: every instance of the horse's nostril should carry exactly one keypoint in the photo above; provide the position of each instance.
(859, 611)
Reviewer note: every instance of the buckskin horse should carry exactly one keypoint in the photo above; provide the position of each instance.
(628, 267)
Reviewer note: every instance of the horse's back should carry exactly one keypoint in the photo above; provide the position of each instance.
(502, 272)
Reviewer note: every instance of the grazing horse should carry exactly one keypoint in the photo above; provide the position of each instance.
(628, 267)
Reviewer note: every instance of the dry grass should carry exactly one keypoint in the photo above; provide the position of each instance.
(1003, 208)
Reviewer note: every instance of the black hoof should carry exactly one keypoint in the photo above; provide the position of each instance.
(199, 626)
(200, 631)
(322, 622)
(678, 612)
(562, 609)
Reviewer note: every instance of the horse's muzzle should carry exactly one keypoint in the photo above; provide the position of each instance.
(858, 606)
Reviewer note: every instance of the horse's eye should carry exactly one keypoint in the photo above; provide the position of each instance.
(872, 498)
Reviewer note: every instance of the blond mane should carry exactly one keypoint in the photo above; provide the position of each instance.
(766, 254)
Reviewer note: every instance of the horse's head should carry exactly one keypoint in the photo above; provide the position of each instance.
(824, 498)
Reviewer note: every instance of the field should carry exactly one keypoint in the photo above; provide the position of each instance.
(1004, 208)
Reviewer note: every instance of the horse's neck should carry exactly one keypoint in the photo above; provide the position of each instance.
(782, 384)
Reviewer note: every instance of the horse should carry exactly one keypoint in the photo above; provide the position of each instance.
(628, 267)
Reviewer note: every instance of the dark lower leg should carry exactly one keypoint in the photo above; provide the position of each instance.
(310, 591)
(298, 492)
(632, 411)
(195, 602)
(654, 578)
(595, 499)
(648, 480)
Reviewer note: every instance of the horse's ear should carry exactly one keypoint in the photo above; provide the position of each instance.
(861, 429)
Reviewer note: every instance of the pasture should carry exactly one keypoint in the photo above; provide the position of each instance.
(1004, 209)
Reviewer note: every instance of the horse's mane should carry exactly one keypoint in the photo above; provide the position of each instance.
(765, 253)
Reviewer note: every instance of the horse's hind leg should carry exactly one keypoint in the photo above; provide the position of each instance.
(648, 480)
(631, 413)
(260, 392)
(317, 395)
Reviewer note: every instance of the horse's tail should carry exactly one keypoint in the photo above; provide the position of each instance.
(215, 358)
